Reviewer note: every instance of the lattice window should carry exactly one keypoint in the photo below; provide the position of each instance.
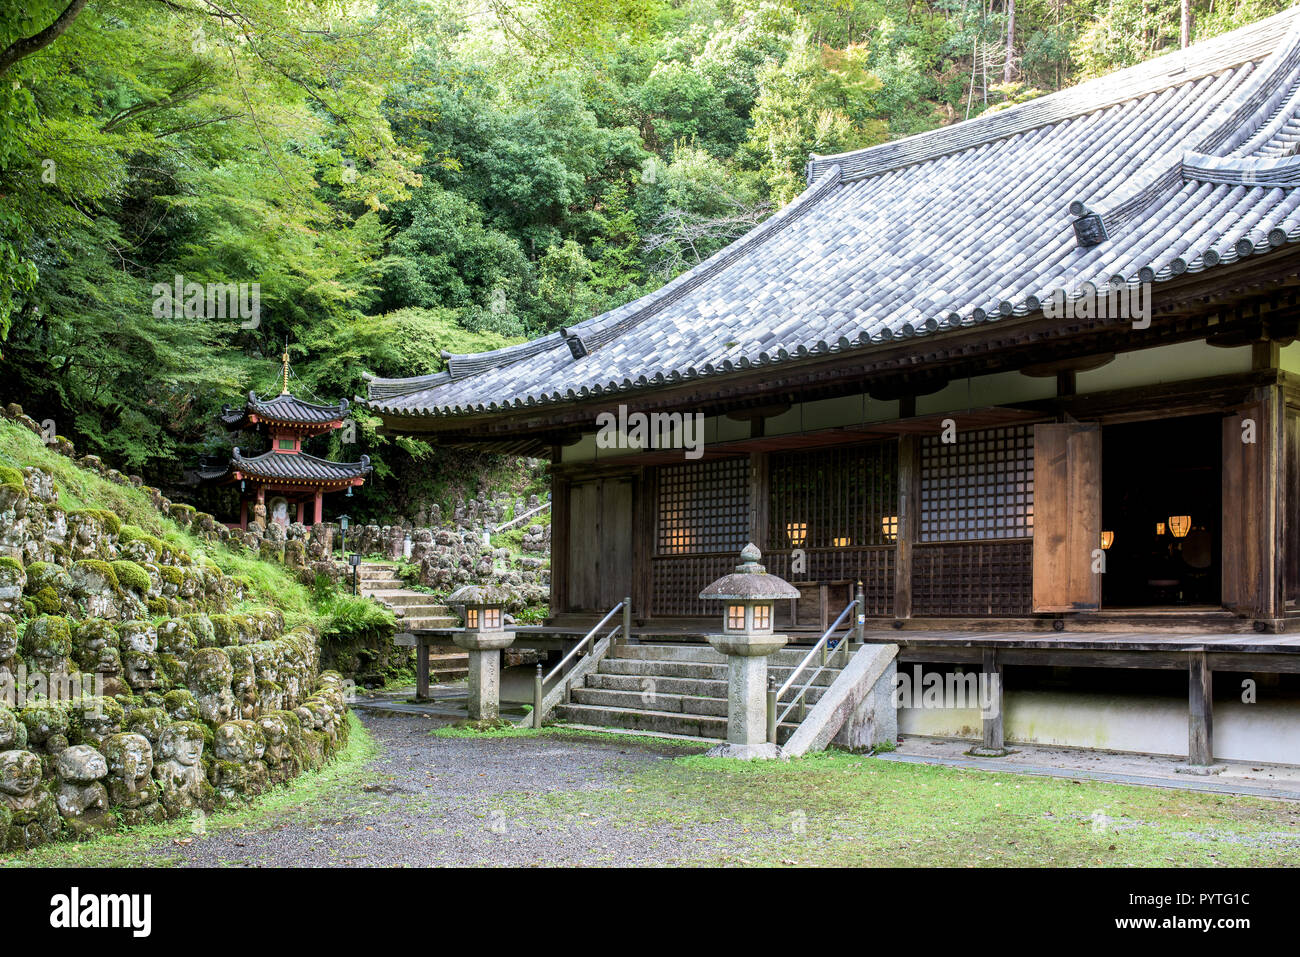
(973, 578)
(979, 487)
(703, 507)
(676, 583)
(842, 497)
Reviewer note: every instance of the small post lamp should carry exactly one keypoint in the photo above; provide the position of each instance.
(484, 636)
(355, 561)
(747, 638)
(343, 533)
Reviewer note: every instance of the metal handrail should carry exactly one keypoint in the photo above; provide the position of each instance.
(504, 526)
(774, 720)
(589, 639)
(821, 646)
(586, 638)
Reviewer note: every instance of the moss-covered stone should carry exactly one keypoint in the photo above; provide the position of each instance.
(47, 639)
(46, 601)
(132, 576)
(101, 569)
(107, 520)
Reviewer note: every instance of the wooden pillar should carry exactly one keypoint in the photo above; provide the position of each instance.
(760, 498)
(645, 515)
(1200, 710)
(243, 514)
(993, 744)
(559, 536)
(909, 493)
(1273, 534)
(318, 510)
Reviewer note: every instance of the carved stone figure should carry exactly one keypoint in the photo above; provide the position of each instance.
(181, 705)
(27, 811)
(181, 780)
(95, 720)
(8, 645)
(243, 682)
(47, 644)
(141, 670)
(281, 756)
(89, 640)
(82, 798)
(209, 676)
(138, 636)
(13, 733)
(130, 782)
(239, 771)
(47, 730)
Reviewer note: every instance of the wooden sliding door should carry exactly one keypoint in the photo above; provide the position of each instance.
(600, 543)
(1067, 516)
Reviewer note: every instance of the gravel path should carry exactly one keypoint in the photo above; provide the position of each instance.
(428, 801)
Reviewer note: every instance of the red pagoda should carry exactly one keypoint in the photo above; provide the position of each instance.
(285, 482)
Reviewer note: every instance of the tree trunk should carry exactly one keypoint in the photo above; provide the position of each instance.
(26, 46)
(1185, 33)
(1007, 68)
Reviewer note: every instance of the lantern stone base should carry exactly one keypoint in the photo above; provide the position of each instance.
(747, 694)
(745, 752)
(484, 671)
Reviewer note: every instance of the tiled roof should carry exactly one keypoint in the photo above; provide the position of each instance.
(297, 466)
(1176, 165)
(286, 408)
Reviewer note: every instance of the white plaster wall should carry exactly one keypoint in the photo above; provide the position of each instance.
(1264, 731)
(1184, 360)
(1003, 388)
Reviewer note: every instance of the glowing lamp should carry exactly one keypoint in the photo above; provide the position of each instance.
(1180, 525)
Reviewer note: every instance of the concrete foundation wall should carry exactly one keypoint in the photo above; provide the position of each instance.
(1265, 731)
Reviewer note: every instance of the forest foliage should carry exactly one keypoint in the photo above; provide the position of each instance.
(403, 177)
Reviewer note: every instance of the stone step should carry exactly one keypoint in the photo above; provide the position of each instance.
(424, 624)
(698, 669)
(422, 611)
(658, 701)
(662, 669)
(789, 657)
(640, 719)
(698, 653)
(667, 723)
(698, 687)
(381, 584)
(401, 597)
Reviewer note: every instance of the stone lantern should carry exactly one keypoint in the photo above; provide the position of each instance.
(483, 636)
(747, 638)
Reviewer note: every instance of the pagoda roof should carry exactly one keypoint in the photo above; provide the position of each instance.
(290, 467)
(284, 408)
(1182, 164)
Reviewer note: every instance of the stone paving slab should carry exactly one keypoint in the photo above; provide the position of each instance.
(1259, 780)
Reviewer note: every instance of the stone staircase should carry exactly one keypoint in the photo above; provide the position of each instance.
(414, 610)
(675, 689)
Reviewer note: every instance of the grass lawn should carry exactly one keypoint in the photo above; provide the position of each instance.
(831, 809)
(839, 809)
